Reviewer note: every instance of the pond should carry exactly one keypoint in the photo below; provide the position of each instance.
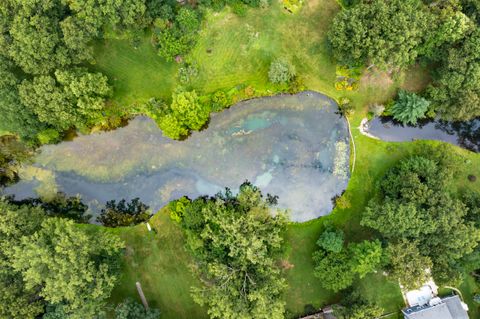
(293, 146)
(464, 134)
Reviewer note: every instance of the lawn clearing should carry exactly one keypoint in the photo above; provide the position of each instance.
(137, 74)
(161, 264)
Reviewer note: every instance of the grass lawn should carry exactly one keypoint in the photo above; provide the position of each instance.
(137, 74)
(161, 264)
(236, 50)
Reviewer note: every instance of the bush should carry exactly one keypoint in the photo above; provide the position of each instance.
(409, 107)
(176, 37)
(239, 8)
(281, 71)
(345, 106)
(123, 213)
(296, 85)
(178, 207)
(187, 73)
(48, 136)
(332, 241)
(220, 101)
(130, 309)
(185, 113)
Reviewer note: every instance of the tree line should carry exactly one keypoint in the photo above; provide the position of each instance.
(394, 34)
(45, 88)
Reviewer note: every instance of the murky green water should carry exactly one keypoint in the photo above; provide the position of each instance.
(289, 146)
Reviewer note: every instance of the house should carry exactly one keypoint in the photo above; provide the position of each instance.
(437, 308)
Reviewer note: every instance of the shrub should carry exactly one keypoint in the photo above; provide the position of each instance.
(178, 207)
(296, 85)
(123, 213)
(239, 8)
(281, 71)
(130, 309)
(345, 106)
(332, 241)
(220, 101)
(409, 107)
(48, 136)
(187, 73)
(185, 113)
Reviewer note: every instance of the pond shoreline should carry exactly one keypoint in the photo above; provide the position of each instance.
(463, 134)
(290, 149)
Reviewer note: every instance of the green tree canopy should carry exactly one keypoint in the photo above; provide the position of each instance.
(408, 265)
(415, 204)
(455, 92)
(84, 265)
(332, 241)
(185, 113)
(123, 213)
(236, 241)
(385, 33)
(130, 309)
(353, 306)
(16, 301)
(338, 269)
(72, 98)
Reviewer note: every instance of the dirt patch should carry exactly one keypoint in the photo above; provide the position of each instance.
(417, 78)
(285, 264)
(376, 78)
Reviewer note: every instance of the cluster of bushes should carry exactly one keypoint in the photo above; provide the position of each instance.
(445, 35)
(124, 214)
(189, 112)
(175, 33)
(347, 78)
(337, 264)
(237, 243)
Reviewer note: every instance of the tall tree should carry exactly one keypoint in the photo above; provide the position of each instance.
(236, 242)
(415, 203)
(384, 33)
(73, 98)
(407, 265)
(16, 301)
(455, 92)
(84, 264)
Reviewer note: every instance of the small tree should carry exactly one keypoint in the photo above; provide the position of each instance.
(281, 71)
(130, 309)
(123, 213)
(355, 307)
(409, 107)
(332, 241)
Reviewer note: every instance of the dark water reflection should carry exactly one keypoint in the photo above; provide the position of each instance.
(465, 134)
(293, 146)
